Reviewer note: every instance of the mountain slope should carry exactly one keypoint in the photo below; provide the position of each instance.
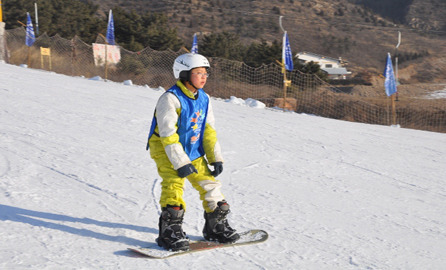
(77, 186)
(340, 28)
(427, 15)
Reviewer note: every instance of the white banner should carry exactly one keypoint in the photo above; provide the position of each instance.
(2, 41)
(113, 53)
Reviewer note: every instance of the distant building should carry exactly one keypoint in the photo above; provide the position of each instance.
(332, 66)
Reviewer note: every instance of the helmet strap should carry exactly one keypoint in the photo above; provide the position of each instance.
(191, 84)
(185, 78)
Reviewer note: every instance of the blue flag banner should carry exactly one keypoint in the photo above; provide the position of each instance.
(194, 45)
(390, 82)
(287, 55)
(30, 37)
(110, 29)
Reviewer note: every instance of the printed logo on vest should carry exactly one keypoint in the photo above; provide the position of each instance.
(198, 121)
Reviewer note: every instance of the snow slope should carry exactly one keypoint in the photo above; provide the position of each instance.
(77, 186)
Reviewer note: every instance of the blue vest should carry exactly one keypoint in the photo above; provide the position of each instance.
(191, 121)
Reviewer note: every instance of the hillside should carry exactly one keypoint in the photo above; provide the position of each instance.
(359, 34)
(428, 15)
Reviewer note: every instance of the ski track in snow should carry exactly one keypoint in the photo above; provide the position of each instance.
(77, 186)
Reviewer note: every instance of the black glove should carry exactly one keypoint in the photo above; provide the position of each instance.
(218, 168)
(186, 170)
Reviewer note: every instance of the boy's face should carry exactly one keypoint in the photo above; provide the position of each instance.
(198, 77)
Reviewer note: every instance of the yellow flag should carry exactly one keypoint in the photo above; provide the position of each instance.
(1, 13)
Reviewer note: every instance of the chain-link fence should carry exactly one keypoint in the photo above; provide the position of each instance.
(306, 94)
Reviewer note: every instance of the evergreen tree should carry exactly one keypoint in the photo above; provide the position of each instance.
(262, 53)
(135, 32)
(70, 18)
(313, 68)
(66, 18)
(129, 29)
(14, 11)
(395, 10)
(157, 33)
(225, 45)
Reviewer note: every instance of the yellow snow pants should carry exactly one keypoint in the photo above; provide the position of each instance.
(172, 186)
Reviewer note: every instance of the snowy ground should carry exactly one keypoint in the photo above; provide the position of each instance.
(77, 186)
(438, 94)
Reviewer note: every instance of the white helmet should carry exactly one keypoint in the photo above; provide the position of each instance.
(186, 62)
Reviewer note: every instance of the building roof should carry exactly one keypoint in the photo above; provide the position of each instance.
(336, 71)
(328, 58)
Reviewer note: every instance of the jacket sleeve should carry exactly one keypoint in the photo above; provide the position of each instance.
(167, 112)
(210, 143)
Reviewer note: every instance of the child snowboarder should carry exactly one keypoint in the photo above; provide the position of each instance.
(183, 141)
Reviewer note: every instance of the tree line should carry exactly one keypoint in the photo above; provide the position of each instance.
(395, 10)
(134, 31)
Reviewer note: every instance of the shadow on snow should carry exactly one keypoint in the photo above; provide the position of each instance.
(34, 218)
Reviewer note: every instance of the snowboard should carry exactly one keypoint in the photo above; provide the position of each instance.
(246, 238)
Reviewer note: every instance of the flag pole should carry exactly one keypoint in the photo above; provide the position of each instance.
(283, 66)
(1, 12)
(194, 48)
(390, 85)
(28, 62)
(106, 64)
(106, 45)
(395, 96)
(37, 18)
(109, 39)
(393, 109)
(285, 84)
(30, 36)
(396, 62)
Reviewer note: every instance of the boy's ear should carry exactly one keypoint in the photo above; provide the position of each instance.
(185, 76)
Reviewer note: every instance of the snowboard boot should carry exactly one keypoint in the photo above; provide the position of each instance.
(171, 235)
(216, 227)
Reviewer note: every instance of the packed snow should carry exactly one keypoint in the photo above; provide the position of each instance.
(77, 187)
(438, 94)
